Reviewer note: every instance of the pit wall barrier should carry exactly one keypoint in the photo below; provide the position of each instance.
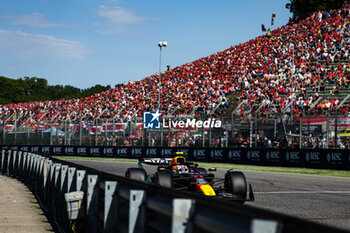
(308, 158)
(101, 202)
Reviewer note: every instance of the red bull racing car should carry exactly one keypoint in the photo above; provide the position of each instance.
(179, 174)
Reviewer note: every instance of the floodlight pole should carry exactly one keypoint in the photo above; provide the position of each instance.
(160, 45)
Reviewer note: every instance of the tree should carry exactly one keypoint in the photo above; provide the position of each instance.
(37, 89)
(301, 9)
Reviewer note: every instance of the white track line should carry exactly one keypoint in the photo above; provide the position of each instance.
(304, 192)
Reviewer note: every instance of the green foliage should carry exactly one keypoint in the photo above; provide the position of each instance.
(37, 89)
(303, 8)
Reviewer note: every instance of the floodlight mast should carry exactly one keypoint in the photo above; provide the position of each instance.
(161, 44)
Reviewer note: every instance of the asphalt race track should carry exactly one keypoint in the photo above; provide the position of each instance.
(317, 198)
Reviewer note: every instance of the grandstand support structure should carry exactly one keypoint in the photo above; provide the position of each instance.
(192, 112)
(235, 110)
(216, 108)
(308, 113)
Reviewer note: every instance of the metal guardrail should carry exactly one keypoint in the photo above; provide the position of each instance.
(116, 204)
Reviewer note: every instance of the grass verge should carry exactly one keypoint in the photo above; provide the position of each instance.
(96, 158)
(305, 171)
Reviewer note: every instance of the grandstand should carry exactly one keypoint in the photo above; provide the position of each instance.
(275, 79)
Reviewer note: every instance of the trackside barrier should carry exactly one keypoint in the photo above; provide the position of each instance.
(81, 199)
(308, 158)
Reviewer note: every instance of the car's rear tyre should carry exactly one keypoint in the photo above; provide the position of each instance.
(201, 170)
(235, 183)
(136, 174)
(165, 179)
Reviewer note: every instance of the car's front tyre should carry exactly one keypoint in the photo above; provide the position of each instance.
(165, 179)
(235, 183)
(136, 174)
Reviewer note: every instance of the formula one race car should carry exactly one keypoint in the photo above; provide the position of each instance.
(179, 174)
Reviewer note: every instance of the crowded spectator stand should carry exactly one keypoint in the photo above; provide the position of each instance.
(298, 71)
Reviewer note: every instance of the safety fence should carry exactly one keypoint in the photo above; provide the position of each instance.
(308, 158)
(250, 131)
(81, 199)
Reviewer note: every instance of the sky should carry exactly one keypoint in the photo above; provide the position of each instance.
(87, 42)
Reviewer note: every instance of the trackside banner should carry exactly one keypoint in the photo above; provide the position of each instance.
(316, 158)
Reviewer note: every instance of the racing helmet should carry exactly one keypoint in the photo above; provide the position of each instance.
(182, 169)
(177, 160)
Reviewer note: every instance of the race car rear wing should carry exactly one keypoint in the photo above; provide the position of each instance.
(155, 161)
